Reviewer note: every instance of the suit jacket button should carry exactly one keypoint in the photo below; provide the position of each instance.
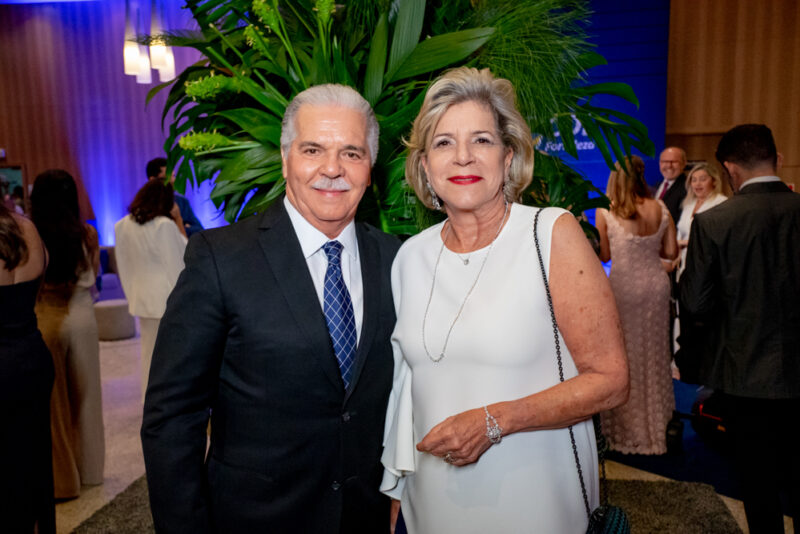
(346, 416)
(335, 486)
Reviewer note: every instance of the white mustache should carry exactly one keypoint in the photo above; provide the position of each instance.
(331, 184)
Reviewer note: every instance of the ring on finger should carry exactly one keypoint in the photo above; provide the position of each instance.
(449, 458)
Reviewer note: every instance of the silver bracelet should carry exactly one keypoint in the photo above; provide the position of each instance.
(493, 430)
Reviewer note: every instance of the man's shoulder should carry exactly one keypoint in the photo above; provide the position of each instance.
(742, 211)
(231, 236)
(384, 241)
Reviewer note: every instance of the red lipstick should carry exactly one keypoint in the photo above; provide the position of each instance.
(465, 180)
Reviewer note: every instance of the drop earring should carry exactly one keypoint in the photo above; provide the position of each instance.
(437, 205)
(507, 192)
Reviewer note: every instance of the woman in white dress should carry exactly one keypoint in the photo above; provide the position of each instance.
(476, 431)
(705, 189)
(150, 243)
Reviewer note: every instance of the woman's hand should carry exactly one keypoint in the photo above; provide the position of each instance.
(463, 436)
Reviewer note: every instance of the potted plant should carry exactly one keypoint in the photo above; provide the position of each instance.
(224, 112)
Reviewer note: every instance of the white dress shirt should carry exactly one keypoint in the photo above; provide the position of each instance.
(311, 241)
(760, 180)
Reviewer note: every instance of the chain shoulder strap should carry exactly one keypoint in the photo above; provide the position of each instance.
(558, 355)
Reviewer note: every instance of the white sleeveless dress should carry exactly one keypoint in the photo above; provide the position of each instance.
(500, 349)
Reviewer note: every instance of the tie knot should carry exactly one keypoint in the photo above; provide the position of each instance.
(333, 249)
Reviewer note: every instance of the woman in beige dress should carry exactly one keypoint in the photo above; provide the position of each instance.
(635, 234)
(65, 311)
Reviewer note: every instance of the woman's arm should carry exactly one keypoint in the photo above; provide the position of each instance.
(587, 318)
(669, 243)
(93, 248)
(602, 229)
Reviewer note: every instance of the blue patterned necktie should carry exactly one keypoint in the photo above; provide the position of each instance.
(338, 310)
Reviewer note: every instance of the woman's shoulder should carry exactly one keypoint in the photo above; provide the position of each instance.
(717, 199)
(421, 242)
(655, 208)
(158, 222)
(91, 234)
(547, 217)
(27, 227)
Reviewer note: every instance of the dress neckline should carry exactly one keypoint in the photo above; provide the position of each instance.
(477, 250)
(37, 279)
(645, 236)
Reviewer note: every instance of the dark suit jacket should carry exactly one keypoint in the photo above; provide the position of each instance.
(743, 276)
(187, 214)
(674, 196)
(244, 338)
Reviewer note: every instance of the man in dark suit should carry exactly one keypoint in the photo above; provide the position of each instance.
(743, 276)
(285, 349)
(672, 189)
(157, 170)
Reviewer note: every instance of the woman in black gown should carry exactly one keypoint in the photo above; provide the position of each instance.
(26, 380)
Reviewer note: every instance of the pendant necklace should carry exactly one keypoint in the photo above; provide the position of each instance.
(438, 358)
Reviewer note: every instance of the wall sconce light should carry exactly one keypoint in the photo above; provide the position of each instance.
(130, 52)
(168, 72)
(144, 75)
(138, 59)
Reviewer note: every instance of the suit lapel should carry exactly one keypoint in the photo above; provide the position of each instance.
(370, 279)
(282, 251)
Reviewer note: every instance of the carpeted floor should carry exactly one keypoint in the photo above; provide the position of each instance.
(652, 507)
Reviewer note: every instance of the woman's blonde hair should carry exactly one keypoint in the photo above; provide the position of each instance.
(716, 179)
(466, 84)
(626, 186)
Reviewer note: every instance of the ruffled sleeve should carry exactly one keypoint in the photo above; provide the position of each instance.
(398, 435)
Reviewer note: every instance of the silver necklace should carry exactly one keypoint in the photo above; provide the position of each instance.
(466, 298)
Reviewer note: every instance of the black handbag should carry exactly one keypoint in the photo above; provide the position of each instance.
(605, 519)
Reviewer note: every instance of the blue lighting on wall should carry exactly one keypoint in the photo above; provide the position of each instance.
(13, 2)
(633, 37)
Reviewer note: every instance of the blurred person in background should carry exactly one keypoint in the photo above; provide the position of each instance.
(150, 242)
(635, 233)
(705, 188)
(742, 278)
(672, 189)
(26, 380)
(65, 311)
(157, 170)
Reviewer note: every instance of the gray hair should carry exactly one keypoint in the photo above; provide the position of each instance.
(330, 94)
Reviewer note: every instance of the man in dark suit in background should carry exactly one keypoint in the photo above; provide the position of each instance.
(285, 348)
(157, 169)
(672, 189)
(743, 275)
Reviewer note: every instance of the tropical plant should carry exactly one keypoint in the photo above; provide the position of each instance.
(226, 109)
